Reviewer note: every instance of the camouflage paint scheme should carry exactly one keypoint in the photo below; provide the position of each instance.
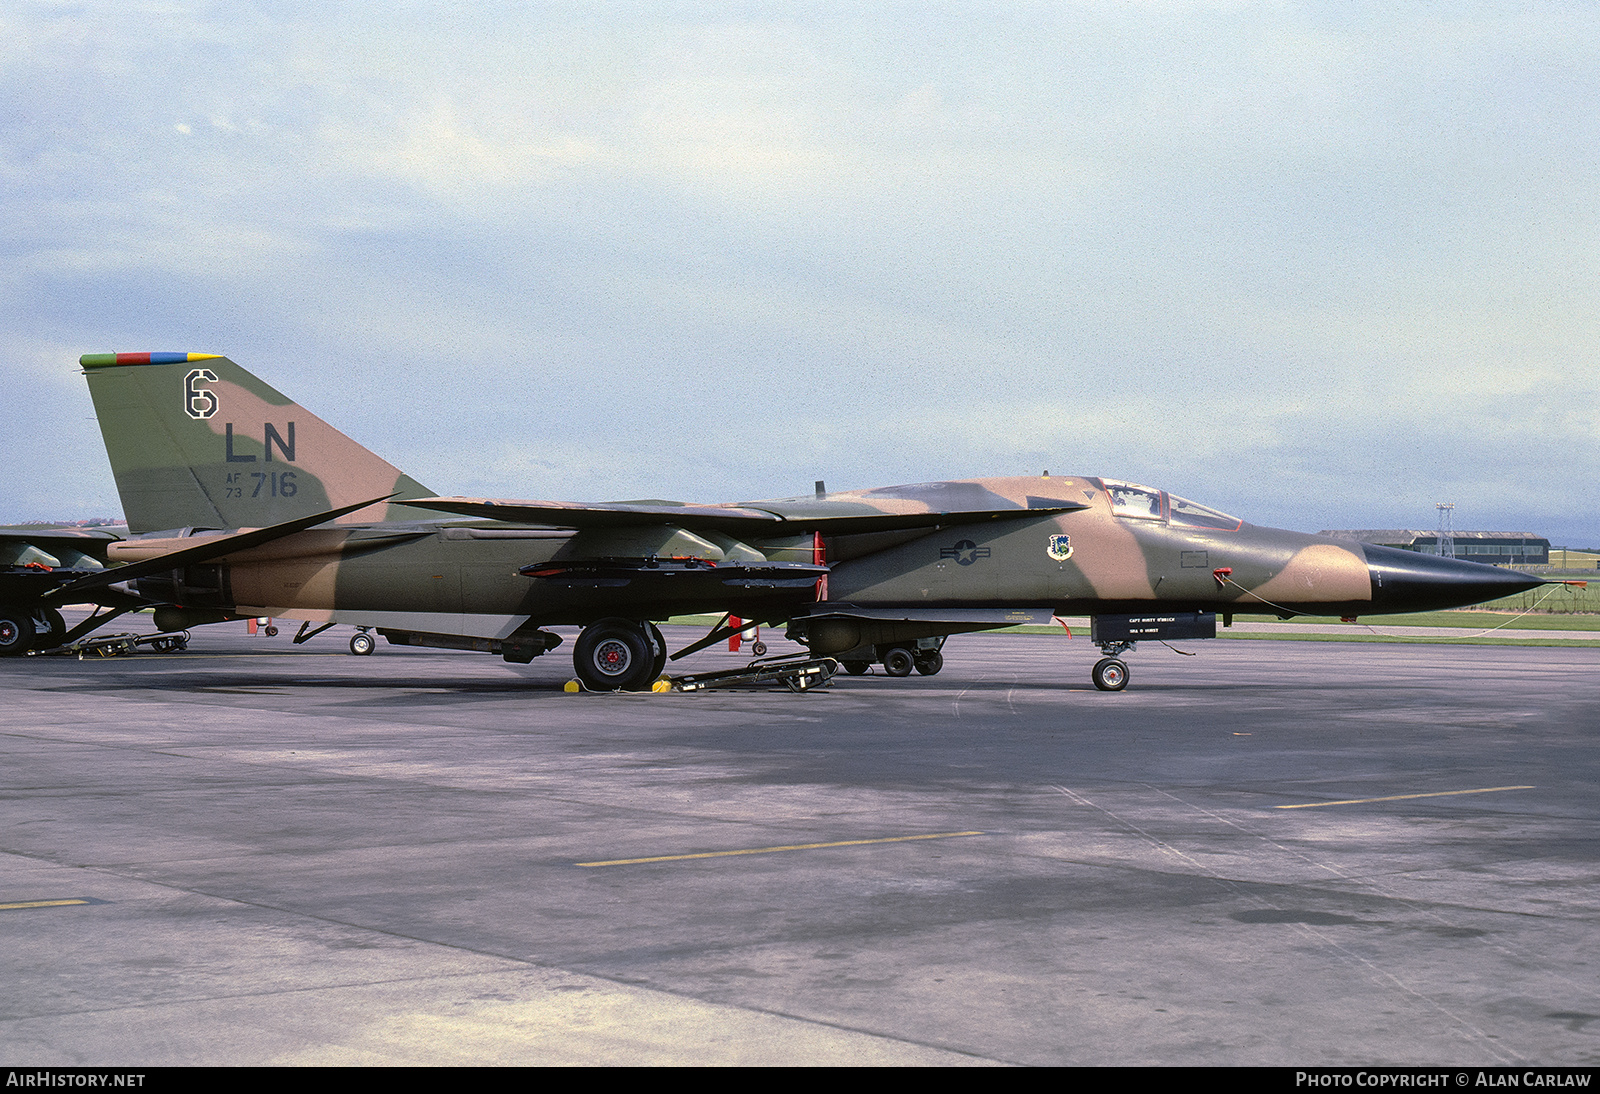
(202, 450)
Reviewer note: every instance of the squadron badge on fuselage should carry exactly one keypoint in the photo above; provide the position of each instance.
(1060, 547)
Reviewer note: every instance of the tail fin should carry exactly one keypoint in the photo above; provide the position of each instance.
(196, 441)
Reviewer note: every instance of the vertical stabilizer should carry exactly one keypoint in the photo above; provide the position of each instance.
(196, 441)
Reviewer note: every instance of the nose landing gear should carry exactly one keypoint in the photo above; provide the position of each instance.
(1116, 635)
(1110, 673)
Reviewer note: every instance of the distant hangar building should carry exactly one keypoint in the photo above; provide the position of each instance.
(1495, 548)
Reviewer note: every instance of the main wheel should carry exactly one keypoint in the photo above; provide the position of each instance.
(361, 644)
(930, 663)
(857, 668)
(16, 632)
(1110, 675)
(614, 655)
(899, 662)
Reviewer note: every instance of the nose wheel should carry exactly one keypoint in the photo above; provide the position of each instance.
(1109, 674)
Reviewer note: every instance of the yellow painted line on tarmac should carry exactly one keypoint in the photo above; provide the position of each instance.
(787, 847)
(14, 905)
(1403, 797)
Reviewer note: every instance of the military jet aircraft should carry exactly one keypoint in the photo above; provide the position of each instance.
(246, 505)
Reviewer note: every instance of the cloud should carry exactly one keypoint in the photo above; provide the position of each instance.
(1283, 258)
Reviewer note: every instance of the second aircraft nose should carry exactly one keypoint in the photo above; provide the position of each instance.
(1405, 581)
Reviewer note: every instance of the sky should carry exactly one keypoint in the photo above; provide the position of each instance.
(1320, 265)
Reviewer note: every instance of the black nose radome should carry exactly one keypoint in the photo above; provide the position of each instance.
(1409, 581)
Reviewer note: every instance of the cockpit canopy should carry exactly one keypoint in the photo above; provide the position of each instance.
(1135, 502)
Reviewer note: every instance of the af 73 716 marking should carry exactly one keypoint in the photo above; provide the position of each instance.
(249, 505)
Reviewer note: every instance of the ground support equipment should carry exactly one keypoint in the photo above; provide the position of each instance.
(117, 645)
(797, 675)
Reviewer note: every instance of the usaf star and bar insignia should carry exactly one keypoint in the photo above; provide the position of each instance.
(965, 552)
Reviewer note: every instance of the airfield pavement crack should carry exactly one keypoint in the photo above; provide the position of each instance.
(1427, 908)
(1377, 974)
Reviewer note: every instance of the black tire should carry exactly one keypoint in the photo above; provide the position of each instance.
(271, 632)
(899, 662)
(55, 633)
(759, 649)
(659, 664)
(16, 632)
(614, 655)
(857, 668)
(1110, 675)
(930, 663)
(361, 644)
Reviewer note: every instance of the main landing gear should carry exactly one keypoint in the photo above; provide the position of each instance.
(619, 655)
(899, 660)
(22, 630)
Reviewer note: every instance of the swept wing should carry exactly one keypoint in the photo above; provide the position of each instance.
(828, 516)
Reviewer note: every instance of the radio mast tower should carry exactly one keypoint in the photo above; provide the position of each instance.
(1447, 539)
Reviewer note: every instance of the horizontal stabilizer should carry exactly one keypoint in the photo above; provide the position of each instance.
(722, 518)
(204, 551)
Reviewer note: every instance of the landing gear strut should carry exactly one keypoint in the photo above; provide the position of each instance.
(659, 664)
(55, 631)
